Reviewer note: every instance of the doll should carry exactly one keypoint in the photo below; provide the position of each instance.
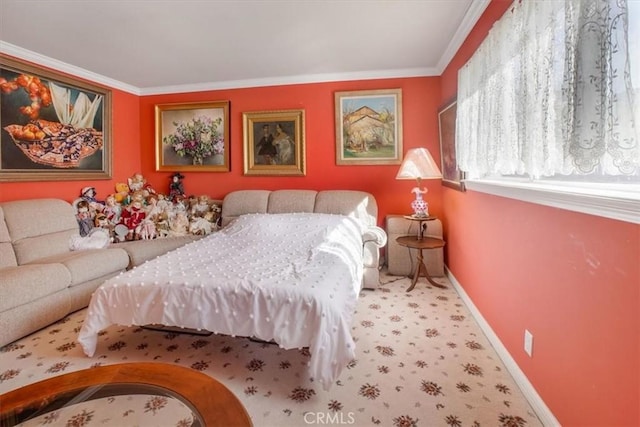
(137, 183)
(83, 216)
(132, 218)
(201, 207)
(215, 216)
(162, 225)
(89, 195)
(152, 207)
(112, 209)
(190, 203)
(163, 203)
(200, 226)
(176, 188)
(179, 225)
(103, 222)
(147, 229)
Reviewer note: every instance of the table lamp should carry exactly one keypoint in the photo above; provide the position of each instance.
(418, 164)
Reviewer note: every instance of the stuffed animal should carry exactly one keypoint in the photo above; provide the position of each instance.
(122, 193)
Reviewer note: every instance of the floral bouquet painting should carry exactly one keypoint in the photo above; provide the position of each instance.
(192, 137)
(197, 138)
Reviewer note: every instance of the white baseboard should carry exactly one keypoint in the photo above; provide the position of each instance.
(542, 411)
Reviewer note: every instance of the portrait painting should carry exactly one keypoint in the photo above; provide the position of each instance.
(274, 142)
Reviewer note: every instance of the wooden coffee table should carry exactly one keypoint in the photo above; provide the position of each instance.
(212, 403)
(420, 243)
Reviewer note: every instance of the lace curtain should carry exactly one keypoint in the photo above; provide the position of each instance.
(550, 91)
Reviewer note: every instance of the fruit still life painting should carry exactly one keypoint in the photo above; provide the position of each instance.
(49, 124)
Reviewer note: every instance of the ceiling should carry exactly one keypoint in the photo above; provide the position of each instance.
(163, 46)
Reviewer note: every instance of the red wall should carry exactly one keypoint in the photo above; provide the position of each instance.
(571, 279)
(134, 144)
(420, 98)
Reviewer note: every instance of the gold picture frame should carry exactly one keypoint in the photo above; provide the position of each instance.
(274, 143)
(53, 127)
(369, 127)
(452, 176)
(192, 137)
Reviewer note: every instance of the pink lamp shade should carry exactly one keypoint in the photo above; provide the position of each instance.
(418, 164)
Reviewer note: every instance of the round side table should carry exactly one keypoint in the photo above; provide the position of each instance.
(420, 243)
(421, 227)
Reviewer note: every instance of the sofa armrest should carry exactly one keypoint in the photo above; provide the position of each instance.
(373, 239)
(376, 235)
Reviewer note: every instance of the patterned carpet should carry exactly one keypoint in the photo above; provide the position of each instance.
(422, 361)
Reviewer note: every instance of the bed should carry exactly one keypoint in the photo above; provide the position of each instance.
(287, 266)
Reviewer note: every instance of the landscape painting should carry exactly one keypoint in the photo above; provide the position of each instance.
(369, 127)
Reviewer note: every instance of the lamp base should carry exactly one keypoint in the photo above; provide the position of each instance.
(420, 207)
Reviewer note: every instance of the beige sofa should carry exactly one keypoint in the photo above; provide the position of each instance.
(41, 279)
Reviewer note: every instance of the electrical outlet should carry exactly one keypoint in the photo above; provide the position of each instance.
(528, 342)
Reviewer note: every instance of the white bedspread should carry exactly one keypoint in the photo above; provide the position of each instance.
(291, 278)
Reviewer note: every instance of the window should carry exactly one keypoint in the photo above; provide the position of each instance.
(549, 106)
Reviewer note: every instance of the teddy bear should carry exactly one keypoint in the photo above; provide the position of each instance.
(122, 193)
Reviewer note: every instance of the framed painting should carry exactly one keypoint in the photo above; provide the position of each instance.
(192, 137)
(274, 143)
(369, 127)
(53, 127)
(451, 175)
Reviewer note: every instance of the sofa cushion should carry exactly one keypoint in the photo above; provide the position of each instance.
(243, 202)
(356, 204)
(39, 228)
(40, 248)
(23, 284)
(7, 256)
(284, 201)
(90, 264)
(141, 251)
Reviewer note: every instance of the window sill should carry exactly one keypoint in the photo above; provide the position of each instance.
(614, 202)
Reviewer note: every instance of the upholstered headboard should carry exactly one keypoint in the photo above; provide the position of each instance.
(358, 204)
